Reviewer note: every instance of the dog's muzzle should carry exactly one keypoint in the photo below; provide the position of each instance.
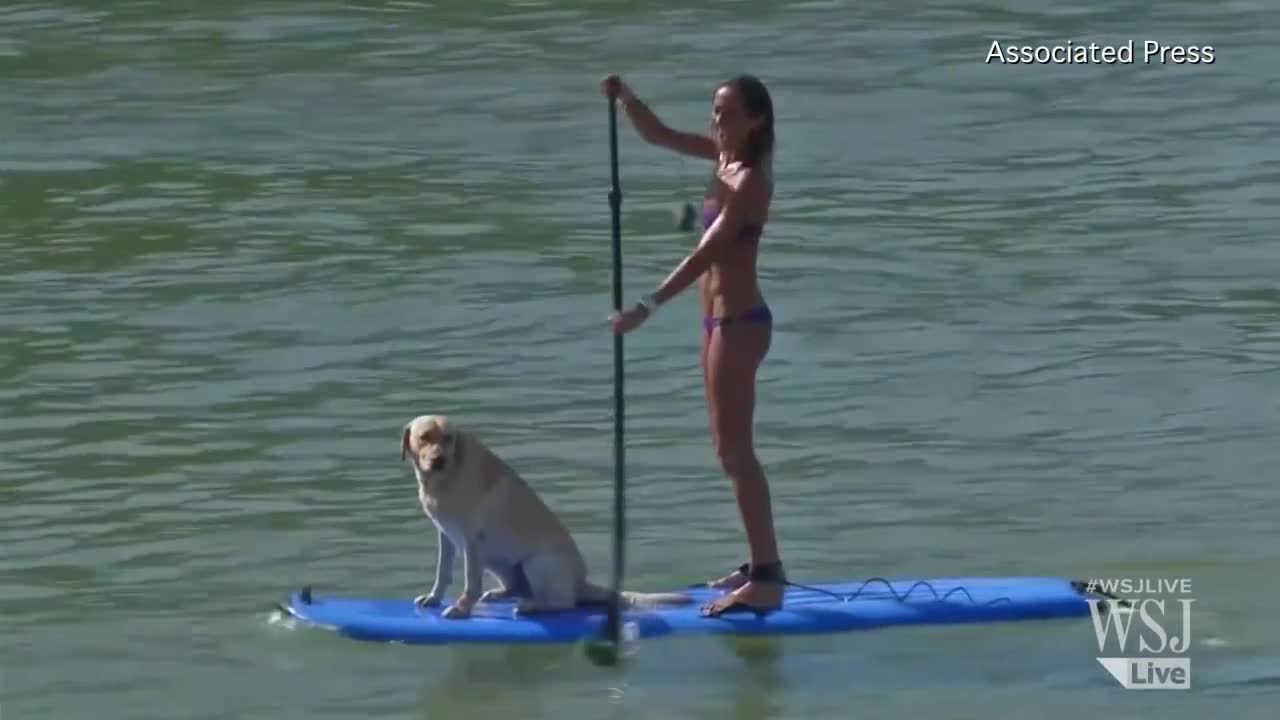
(437, 464)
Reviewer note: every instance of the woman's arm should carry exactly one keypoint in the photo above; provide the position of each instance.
(655, 132)
(752, 192)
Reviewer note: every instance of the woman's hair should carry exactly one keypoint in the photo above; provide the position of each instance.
(756, 100)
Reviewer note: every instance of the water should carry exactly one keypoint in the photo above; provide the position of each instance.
(1026, 325)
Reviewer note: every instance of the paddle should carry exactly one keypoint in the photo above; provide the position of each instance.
(607, 649)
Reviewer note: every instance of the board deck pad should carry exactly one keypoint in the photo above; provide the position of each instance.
(812, 609)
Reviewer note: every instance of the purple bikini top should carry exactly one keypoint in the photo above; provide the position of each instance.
(749, 233)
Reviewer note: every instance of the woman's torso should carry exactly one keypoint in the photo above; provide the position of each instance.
(731, 286)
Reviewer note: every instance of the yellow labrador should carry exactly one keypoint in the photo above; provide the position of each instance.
(483, 508)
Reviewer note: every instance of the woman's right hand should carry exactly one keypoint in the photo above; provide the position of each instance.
(612, 86)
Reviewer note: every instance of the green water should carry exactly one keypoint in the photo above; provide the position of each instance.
(1026, 324)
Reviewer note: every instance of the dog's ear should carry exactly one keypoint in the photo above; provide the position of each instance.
(404, 441)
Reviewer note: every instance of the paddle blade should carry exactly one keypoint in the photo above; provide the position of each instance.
(605, 650)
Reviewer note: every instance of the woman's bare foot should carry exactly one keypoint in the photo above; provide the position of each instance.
(762, 593)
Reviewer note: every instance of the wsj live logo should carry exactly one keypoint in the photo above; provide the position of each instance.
(1143, 642)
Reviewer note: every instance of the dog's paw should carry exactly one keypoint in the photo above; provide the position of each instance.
(428, 600)
(525, 606)
(457, 611)
(496, 595)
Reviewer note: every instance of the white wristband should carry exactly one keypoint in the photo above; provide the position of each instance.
(649, 304)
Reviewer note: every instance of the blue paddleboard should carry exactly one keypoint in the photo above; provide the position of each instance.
(811, 609)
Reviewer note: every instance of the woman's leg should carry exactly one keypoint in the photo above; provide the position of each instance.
(733, 357)
(737, 578)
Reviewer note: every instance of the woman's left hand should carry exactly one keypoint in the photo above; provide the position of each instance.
(628, 320)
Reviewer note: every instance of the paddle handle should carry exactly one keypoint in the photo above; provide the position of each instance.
(619, 449)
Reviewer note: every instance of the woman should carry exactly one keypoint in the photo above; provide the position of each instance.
(737, 325)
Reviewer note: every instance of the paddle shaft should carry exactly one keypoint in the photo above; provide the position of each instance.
(614, 627)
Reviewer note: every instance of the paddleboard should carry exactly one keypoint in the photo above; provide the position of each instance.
(810, 609)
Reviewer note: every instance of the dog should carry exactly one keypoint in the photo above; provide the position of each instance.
(481, 507)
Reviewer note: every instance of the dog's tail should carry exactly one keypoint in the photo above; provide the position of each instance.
(594, 594)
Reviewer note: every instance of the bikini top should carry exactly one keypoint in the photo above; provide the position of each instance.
(748, 234)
